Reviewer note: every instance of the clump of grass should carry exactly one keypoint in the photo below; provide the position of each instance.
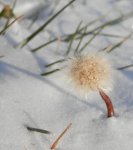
(34, 34)
(70, 37)
(82, 32)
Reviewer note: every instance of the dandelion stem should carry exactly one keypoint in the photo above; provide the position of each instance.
(108, 103)
(59, 138)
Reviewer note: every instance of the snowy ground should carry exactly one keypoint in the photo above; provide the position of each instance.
(29, 99)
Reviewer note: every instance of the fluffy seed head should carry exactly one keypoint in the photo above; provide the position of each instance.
(91, 72)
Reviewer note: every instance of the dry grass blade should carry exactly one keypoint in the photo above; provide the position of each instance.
(54, 145)
(112, 47)
(38, 130)
(125, 67)
(33, 35)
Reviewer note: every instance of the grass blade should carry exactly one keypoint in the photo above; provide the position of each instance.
(125, 67)
(56, 62)
(38, 130)
(50, 72)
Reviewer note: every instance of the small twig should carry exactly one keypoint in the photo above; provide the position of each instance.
(38, 130)
(54, 145)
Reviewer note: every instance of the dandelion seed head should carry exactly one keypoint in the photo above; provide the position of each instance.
(91, 72)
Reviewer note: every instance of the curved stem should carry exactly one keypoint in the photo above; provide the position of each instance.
(108, 103)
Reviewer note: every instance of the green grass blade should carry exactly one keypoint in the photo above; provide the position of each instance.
(50, 72)
(55, 62)
(125, 67)
(43, 45)
(28, 39)
(38, 130)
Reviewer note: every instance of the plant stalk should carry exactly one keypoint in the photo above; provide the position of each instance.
(109, 105)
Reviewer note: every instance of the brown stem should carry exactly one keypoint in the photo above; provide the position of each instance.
(108, 103)
(60, 136)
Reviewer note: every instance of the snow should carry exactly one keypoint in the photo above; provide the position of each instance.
(50, 103)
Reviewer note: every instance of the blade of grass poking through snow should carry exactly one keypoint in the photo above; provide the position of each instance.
(125, 67)
(50, 72)
(65, 38)
(113, 47)
(37, 130)
(33, 35)
(72, 38)
(43, 45)
(55, 62)
(54, 145)
(91, 39)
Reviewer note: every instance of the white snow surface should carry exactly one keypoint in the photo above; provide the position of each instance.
(50, 103)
